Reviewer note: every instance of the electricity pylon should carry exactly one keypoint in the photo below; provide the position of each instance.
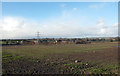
(38, 37)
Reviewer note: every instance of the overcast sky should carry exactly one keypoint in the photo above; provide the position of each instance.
(59, 19)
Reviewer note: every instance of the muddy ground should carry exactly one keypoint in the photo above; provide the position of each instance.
(93, 62)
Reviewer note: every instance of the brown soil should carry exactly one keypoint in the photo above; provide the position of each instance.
(54, 64)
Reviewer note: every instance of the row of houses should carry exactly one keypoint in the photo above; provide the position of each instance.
(45, 41)
(48, 41)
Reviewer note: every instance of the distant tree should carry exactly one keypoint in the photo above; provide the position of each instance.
(6, 42)
(111, 40)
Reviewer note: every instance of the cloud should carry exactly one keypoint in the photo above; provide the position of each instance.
(100, 23)
(93, 6)
(18, 27)
(63, 5)
(75, 8)
(106, 30)
(10, 25)
(96, 6)
(115, 25)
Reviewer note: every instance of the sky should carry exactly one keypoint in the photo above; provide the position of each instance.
(59, 19)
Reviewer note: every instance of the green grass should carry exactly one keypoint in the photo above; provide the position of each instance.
(41, 50)
(9, 57)
(2, 42)
(92, 68)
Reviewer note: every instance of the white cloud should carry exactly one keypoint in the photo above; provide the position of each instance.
(102, 31)
(75, 8)
(101, 5)
(12, 23)
(17, 27)
(101, 23)
(115, 25)
(63, 5)
(93, 6)
(106, 30)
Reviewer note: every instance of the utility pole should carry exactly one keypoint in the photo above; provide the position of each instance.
(38, 39)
